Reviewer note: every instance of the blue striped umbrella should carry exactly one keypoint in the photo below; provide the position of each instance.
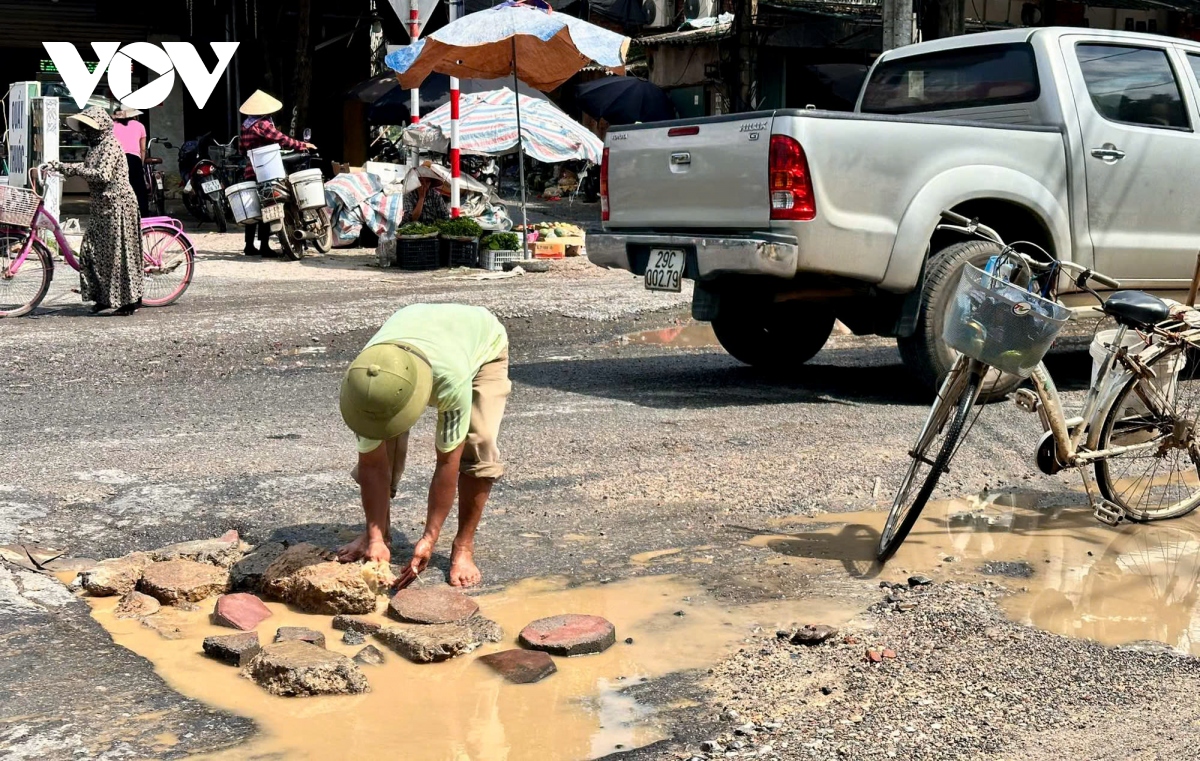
(489, 127)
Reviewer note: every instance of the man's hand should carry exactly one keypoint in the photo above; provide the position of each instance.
(422, 553)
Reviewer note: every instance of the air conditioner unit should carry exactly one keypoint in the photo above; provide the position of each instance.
(659, 13)
(693, 9)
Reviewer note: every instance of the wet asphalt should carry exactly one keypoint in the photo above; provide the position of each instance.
(124, 434)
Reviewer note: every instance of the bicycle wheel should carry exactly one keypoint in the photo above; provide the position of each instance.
(931, 455)
(1162, 481)
(169, 261)
(20, 293)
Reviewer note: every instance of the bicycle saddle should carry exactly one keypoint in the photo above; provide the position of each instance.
(1136, 309)
(153, 160)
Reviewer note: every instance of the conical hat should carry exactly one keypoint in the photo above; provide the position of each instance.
(260, 104)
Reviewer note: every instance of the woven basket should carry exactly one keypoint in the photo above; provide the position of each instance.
(18, 206)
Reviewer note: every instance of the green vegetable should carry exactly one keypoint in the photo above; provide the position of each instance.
(416, 228)
(460, 228)
(503, 242)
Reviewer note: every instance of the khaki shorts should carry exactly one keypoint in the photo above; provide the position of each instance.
(481, 455)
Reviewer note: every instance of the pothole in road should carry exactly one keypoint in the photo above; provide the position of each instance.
(1070, 575)
(461, 709)
(697, 336)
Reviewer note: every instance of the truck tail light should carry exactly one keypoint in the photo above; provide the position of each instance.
(791, 184)
(604, 186)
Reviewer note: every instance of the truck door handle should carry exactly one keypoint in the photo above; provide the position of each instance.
(678, 159)
(1108, 153)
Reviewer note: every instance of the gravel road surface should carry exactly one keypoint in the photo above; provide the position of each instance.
(220, 412)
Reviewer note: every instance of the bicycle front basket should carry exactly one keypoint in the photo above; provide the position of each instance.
(1001, 324)
(17, 206)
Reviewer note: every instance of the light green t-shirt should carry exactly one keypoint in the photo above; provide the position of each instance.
(457, 340)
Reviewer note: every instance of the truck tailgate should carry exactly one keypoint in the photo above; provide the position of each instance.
(709, 173)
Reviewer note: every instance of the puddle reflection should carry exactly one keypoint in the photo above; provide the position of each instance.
(1078, 578)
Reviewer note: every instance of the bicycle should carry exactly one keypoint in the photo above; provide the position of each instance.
(27, 264)
(1006, 318)
(153, 174)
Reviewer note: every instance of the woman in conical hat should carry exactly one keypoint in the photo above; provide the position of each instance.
(258, 129)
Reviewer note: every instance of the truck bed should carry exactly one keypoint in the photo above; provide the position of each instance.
(869, 173)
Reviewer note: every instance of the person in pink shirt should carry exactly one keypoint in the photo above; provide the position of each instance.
(131, 134)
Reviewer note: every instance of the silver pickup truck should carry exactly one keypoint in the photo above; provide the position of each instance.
(1081, 141)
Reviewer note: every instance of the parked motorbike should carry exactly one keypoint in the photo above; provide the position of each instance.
(203, 180)
(295, 227)
(485, 169)
(152, 171)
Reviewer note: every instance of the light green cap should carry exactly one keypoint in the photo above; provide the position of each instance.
(384, 391)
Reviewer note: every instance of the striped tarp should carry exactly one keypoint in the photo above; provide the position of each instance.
(358, 198)
(488, 126)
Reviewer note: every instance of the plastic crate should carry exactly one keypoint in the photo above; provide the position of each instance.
(494, 260)
(460, 252)
(418, 252)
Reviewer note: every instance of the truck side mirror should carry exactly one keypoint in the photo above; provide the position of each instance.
(307, 134)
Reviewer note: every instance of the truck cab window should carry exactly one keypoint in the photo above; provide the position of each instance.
(1132, 85)
(985, 75)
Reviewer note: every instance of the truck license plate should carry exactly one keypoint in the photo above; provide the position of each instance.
(664, 271)
(211, 186)
(272, 213)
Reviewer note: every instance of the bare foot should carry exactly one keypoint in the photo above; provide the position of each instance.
(463, 571)
(363, 548)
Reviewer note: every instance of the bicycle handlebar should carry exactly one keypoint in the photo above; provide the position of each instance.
(973, 227)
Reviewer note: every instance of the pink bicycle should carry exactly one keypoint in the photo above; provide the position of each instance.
(27, 265)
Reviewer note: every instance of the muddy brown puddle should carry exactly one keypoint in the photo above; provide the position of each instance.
(1070, 574)
(695, 336)
(460, 709)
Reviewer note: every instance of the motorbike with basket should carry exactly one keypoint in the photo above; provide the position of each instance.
(288, 194)
(204, 166)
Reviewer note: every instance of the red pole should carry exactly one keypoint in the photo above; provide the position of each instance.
(455, 192)
(414, 32)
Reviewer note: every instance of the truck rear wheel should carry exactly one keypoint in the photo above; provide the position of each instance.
(924, 352)
(777, 337)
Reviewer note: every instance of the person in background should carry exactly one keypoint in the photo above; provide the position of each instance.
(258, 129)
(426, 204)
(110, 258)
(131, 134)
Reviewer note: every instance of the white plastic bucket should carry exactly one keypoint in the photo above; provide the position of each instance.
(243, 200)
(1166, 382)
(308, 188)
(268, 163)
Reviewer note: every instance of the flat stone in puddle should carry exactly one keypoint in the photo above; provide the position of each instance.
(1013, 569)
(369, 656)
(520, 666)
(296, 669)
(431, 643)
(136, 605)
(246, 575)
(176, 581)
(570, 634)
(327, 589)
(117, 576)
(233, 649)
(432, 605)
(240, 611)
(300, 634)
(345, 623)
